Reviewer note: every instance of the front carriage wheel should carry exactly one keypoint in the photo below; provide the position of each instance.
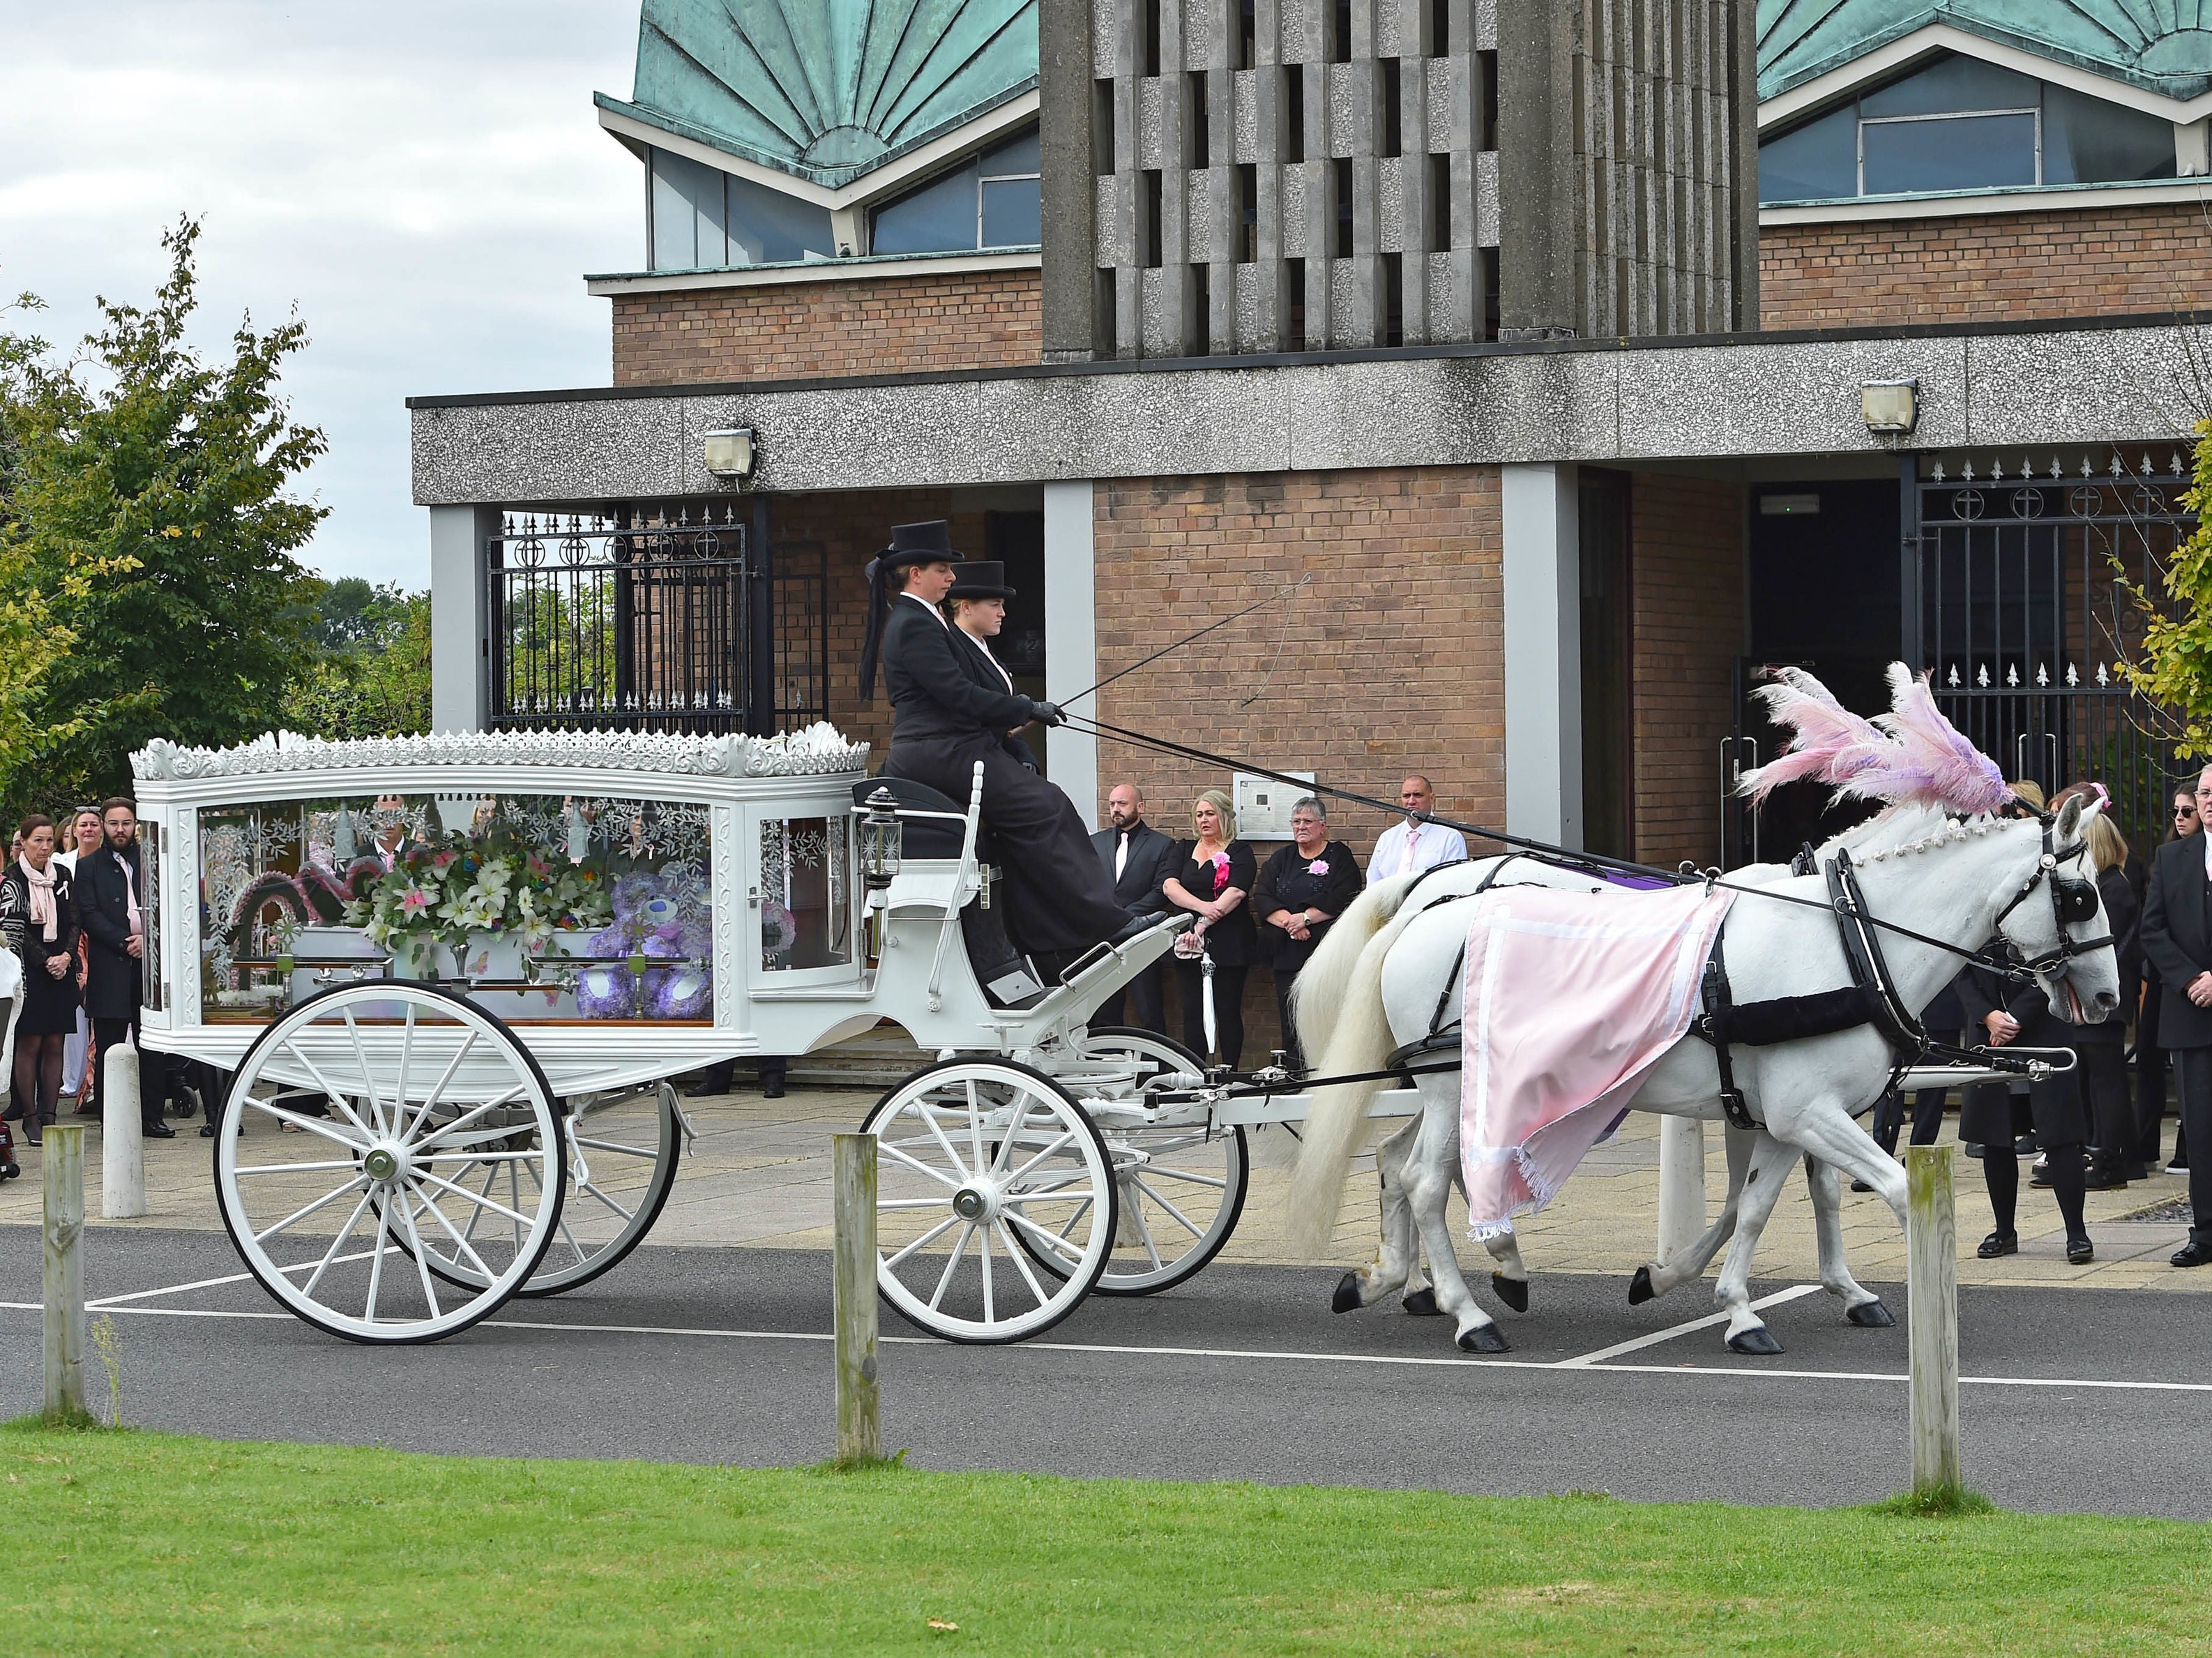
(423, 1125)
(1179, 1189)
(983, 1164)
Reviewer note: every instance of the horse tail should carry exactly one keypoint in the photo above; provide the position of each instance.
(1360, 1041)
(1317, 994)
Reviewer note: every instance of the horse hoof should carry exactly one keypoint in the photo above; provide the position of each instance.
(1513, 1292)
(1484, 1339)
(1347, 1298)
(1422, 1303)
(1871, 1315)
(1757, 1341)
(1640, 1287)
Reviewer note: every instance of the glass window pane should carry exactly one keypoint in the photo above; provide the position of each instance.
(806, 898)
(1013, 216)
(938, 217)
(675, 215)
(766, 227)
(1975, 152)
(1954, 84)
(2088, 141)
(1017, 157)
(1816, 162)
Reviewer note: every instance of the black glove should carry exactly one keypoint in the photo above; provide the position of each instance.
(1049, 713)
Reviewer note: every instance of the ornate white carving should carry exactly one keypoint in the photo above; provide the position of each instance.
(816, 751)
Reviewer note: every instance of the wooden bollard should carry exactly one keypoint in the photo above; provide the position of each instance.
(121, 1136)
(1931, 1278)
(859, 1422)
(63, 1239)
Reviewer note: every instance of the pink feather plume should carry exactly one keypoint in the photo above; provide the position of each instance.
(1829, 743)
(1940, 764)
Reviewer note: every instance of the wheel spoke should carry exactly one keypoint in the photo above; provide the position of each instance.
(930, 1237)
(1081, 1210)
(983, 1250)
(514, 1192)
(951, 1263)
(330, 1092)
(406, 1052)
(628, 1215)
(337, 1243)
(569, 1238)
(329, 1167)
(422, 1258)
(376, 1264)
(1145, 1232)
(1014, 1133)
(929, 1118)
(484, 1201)
(495, 1158)
(915, 1164)
(611, 1145)
(1021, 1263)
(302, 1214)
(909, 1202)
(1195, 1231)
(1213, 1180)
(482, 1197)
(468, 1117)
(438, 1088)
(308, 1124)
(1054, 1245)
(975, 1131)
(459, 1242)
(1017, 1175)
(368, 1078)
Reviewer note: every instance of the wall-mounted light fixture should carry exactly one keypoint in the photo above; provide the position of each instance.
(732, 454)
(1890, 407)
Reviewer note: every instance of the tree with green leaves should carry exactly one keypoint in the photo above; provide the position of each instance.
(148, 515)
(370, 676)
(2173, 667)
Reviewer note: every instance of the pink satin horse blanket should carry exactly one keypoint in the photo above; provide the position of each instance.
(1569, 999)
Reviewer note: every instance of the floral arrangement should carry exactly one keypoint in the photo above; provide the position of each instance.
(497, 884)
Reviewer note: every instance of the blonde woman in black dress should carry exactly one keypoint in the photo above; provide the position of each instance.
(40, 924)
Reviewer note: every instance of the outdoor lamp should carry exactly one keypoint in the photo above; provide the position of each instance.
(1891, 407)
(731, 454)
(881, 842)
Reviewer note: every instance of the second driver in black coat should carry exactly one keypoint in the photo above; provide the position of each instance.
(944, 721)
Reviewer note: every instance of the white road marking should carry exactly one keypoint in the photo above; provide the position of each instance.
(1399, 1360)
(1582, 1361)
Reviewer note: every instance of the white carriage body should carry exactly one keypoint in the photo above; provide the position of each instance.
(749, 847)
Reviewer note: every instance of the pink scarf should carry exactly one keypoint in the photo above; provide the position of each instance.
(42, 885)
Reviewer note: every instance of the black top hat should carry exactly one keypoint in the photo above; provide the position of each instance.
(980, 578)
(918, 544)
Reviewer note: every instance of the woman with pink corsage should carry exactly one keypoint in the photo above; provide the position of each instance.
(1211, 876)
(1302, 887)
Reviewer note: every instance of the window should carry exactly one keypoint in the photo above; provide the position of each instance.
(992, 202)
(1197, 135)
(1248, 34)
(1342, 172)
(1248, 214)
(1961, 124)
(1102, 127)
(1393, 116)
(1294, 112)
(1339, 32)
(1487, 64)
(1439, 28)
(1150, 207)
(704, 219)
(1440, 238)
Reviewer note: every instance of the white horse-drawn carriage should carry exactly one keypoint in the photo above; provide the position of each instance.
(447, 978)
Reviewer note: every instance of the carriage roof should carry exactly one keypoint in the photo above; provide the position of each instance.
(281, 760)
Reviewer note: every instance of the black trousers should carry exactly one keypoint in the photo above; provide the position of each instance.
(2194, 1067)
(2152, 1062)
(2112, 1113)
(1144, 999)
(153, 1068)
(1058, 897)
(1228, 1010)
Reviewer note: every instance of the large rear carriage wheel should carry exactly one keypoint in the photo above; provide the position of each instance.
(985, 1168)
(422, 1126)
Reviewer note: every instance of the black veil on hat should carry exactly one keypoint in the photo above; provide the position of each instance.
(929, 543)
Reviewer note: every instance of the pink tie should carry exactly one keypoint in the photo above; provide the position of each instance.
(1412, 837)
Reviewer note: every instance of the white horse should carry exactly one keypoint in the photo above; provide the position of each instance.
(1396, 1268)
(1962, 883)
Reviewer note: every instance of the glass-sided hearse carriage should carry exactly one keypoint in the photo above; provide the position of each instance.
(444, 980)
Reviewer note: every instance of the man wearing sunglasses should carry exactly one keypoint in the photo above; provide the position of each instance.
(2177, 938)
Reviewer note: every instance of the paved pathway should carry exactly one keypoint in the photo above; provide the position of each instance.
(761, 1177)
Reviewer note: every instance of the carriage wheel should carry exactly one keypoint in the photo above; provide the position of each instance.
(622, 1164)
(1180, 1190)
(973, 1155)
(421, 1118)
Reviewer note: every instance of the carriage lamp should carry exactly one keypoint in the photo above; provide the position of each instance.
(1891, 408)
(882, 840)
(731, 454)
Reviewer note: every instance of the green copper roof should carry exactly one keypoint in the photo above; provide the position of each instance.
(2163, 47)
(827, 89)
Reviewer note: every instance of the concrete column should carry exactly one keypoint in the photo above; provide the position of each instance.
(1071, 638)
(1543, 654)
(121, 1136)
(460, 698)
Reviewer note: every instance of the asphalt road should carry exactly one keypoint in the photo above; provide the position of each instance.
(2075, 1399)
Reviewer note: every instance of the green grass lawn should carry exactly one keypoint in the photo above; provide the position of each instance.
(144, 1543)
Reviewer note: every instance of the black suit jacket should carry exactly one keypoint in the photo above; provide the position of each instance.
(982, 668)
(933, 697)
(112, 975)
(2175, 936)
(1152, 855)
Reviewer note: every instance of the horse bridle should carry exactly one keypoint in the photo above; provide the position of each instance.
(2073, 901)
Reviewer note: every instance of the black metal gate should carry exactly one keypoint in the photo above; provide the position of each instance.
(2028, 571)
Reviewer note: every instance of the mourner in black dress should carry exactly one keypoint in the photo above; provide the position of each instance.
(1213, 877)
(2103, 1047)
(944, 722)
(1302, 888)
(39, 923)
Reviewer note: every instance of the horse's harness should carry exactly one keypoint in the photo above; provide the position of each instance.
(1871, 998)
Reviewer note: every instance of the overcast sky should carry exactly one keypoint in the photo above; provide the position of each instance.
(424, 179)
